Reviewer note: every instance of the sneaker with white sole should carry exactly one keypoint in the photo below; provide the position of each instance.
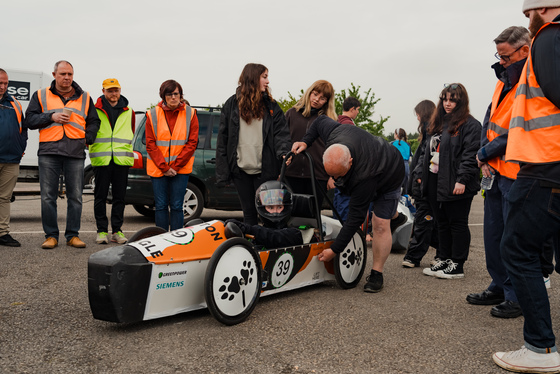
(102, 238)
(432, 270)
(453, 270)
(527, 361)
(547, 282)
(119, 238)
(409, 264)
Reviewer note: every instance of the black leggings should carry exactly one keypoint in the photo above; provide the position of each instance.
(453, 223)
(247, 185)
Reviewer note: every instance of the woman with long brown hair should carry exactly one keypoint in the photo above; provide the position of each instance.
(317, 100)
(252, 138)
(449, 177)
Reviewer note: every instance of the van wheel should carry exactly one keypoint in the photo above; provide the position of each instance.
(193, 203)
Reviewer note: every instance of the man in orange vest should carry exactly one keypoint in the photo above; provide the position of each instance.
(13, 140)
(534, 198)
(512, 47)
(67, 120)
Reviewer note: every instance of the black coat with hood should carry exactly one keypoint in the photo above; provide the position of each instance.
(457, 162)
(276, 141)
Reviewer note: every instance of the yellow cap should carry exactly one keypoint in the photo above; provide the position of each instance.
(111, 83)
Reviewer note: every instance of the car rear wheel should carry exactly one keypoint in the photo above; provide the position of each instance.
(349, 265)
(193, 203)
(232, 284)
(145, 210)
(89, 179)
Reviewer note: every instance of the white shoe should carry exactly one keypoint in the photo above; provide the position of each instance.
(547, 283)
(527, 361)
(119, 237)
(102, 238)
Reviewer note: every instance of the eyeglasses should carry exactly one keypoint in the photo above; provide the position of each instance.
(173, 94)
(506, 57)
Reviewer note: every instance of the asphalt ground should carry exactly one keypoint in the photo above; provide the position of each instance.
(417, 324)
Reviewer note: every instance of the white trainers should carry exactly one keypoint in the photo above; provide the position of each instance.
(102, 238)
(119, 237)
(527, 361)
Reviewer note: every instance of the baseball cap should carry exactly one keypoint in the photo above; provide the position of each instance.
(111, 83)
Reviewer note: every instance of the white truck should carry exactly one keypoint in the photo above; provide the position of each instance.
(22, 84)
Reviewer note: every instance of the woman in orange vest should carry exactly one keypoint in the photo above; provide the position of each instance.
(171, 139)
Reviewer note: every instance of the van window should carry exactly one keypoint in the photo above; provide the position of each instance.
(204, 121)
(215, 128)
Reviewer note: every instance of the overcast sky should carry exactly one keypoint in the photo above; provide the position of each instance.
(404, 50)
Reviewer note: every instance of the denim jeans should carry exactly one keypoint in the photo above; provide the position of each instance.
(50, 167)
(496, 209)
(533, 218)
(169, 194)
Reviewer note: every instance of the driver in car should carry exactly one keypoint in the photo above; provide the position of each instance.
(273, 200)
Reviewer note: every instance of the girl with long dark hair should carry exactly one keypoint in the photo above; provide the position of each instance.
(449, 177)
(252, 138)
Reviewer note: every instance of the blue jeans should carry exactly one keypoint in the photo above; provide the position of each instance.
(533, 218)
(50, 167)
(496, 209)
(341, 203)
(169, 194)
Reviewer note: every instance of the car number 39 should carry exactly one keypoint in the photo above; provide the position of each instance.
(282, 270)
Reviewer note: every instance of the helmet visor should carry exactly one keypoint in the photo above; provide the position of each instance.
(272, 197)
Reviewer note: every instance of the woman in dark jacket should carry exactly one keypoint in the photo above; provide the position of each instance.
(424, 233)
(252, 138)
(318, 99)
(449, 177)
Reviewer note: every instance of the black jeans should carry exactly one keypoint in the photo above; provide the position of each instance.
(424, 233)
(247, 185)
(117, 176)
(453, 224)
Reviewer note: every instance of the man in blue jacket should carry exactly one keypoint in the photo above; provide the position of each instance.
(13, 140)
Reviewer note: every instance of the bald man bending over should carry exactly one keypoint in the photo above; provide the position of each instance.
(368, 169)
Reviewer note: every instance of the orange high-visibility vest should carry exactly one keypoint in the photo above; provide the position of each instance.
(75, 128)
(170, 144)
(17, 107)
(534, 129)
(500, 116)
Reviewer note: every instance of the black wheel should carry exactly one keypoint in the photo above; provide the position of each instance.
(350, 264)
(146, 232)
(89, 179)
(232, 284)
(193, 203)
(145, 210)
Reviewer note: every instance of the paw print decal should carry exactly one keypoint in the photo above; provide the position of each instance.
(351, 257)
(232, 286)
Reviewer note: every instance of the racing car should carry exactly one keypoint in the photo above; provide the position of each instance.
(212, 265)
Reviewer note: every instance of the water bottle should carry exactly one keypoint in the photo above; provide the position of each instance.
(487, 182)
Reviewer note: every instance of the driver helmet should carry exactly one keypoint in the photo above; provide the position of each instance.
(273, 201)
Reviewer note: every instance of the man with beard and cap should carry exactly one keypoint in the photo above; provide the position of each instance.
(512, 47)
(534, 197)
(111, 156)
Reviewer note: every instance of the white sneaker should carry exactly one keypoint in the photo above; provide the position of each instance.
(102, 238)
(119, 237)
(547, 283)
(527, 361)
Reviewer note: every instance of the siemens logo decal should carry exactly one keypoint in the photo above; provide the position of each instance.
(172, 273)
(162, 286)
